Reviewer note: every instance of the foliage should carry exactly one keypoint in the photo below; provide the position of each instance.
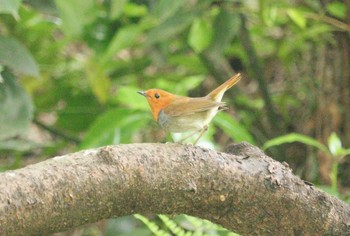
(333, 151)
(152, 226)
(70, 69)
(183, 225)
(294, 137)
(16, 107)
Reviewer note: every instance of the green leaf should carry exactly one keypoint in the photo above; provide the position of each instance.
(295, 137)
(10, 7)
(99, 82)
(16, 107)
(165, 8)
(128, 96)
(297, 17)
(168, 29)
(268, 13)
(104, 130)
(181, 85)
(116, 9)
(173, 226)
(225, 26)
(344, 152)
(337, 9)
(205, 225)
(79, 111)
(296, 43)
(153, 227)
(113, 127)
(232, 128)
(200, 35)
(135, 10)
(14, 55)
(190, 62)
(191, 82)
(334, 144)
(125, 37)
(42, 7)
(76, 14)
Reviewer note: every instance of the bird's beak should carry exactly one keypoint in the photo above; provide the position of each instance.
(143, 93)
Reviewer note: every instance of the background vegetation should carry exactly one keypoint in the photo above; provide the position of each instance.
(70, 70)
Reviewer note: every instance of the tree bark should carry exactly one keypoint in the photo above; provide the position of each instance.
(245, 191)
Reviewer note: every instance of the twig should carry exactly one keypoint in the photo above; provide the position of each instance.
(258, 74)
(329, 20)
(56, 132)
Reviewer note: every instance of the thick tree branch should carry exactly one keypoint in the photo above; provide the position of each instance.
(246, 191)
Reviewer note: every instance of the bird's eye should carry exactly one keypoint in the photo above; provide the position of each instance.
(156, 95)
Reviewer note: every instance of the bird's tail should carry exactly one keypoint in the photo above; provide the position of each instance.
(218, 93)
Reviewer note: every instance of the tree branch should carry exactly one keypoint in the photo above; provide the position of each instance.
(246, 191)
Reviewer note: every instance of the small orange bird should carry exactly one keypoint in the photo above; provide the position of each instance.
(180, 114)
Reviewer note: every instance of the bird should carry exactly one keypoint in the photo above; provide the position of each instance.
(179, 114)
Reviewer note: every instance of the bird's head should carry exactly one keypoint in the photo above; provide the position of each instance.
(157, 100)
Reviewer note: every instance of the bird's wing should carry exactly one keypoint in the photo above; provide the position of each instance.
(189, 106)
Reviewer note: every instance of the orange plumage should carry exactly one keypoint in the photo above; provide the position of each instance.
(181, 114)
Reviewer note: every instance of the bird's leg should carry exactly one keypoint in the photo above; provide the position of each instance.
(205, 129)
(202, 132)
(188, 136)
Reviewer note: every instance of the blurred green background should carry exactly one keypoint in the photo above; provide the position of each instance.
(70, 70)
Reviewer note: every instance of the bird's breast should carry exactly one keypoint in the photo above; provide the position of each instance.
(180, 124)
